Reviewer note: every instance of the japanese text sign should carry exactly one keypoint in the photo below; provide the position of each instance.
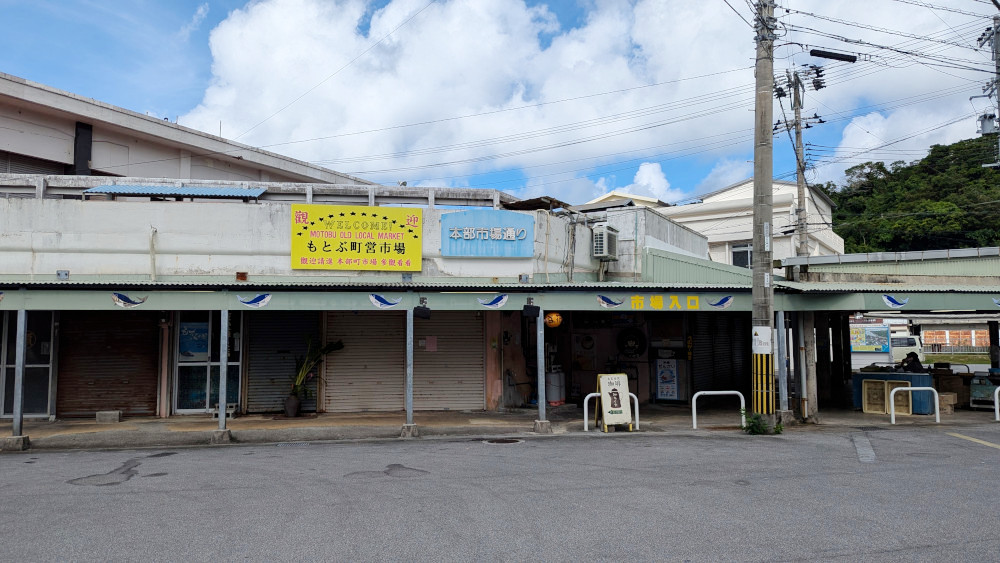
(341, 237)
(761, 341)
(615, 406)
(489, 233)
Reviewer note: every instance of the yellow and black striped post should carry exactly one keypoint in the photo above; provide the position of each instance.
(762, 392)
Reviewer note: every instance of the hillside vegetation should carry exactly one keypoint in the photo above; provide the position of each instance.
(946, 200)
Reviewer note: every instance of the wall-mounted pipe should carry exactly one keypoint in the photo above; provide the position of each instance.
(152, 253)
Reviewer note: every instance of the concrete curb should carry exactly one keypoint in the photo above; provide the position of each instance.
(133, 438)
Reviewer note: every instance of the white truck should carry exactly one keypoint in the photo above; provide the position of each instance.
(903, 344)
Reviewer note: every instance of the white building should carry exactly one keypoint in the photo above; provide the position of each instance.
(725, 217)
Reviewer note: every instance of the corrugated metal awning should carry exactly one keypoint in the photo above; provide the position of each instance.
(458, 286)
(844, 287)
(181, 192)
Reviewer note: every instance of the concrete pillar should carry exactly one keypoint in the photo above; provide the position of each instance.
(409, 429)
(836, 379)
(18, 410)
(541, 425)
(223, 365)
(494, 359)
(821, 321)
(809, 349)
(540, 361)
(782, 361)
(408, 392)
(163, 406)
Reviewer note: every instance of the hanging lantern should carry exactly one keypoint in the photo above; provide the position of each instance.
(552, 320)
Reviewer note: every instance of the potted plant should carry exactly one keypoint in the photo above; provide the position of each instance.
(305, 371)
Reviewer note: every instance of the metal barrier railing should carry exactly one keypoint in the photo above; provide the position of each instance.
(694, 406)
(586, 417)
(996, 403)
(892, 402)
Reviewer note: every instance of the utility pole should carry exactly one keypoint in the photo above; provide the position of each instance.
(800, 166)
(762, 387)
(795, 82)
(987, 122)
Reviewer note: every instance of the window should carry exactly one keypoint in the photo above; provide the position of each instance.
(742, 255)
(198, 360)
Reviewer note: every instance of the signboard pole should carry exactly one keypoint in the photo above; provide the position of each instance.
(782, 363)
(540, 359)
(22, 324)
(223, 366)
(409, 366)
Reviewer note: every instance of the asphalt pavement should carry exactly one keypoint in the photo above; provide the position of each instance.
(917, 492)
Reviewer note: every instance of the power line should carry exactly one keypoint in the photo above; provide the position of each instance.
(506, 110)
(941, 8)
(879, 29)
(737, 13)
(951, 62)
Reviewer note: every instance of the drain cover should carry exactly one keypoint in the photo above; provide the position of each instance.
(503, 441)
(284, 444)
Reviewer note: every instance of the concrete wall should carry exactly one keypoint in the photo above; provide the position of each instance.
(106, 238)
(33, 134)
(116, 152)
(641, 227)
(40, 122)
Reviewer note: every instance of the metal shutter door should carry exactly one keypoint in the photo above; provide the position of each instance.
(742, 377)
(275, 339)
(722, 352)
(14, 163)
(702, 367)
(368, 374)
(107, 361)
(454, 376)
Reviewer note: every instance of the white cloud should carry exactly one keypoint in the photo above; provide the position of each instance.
(490, 95)
(650, 181)
(725, 173)
(194, 24)
(870, 138)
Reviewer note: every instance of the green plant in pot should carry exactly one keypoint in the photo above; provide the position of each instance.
(307, 369)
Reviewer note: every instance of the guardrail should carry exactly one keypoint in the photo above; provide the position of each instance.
(892, 402)
(586, 417)
(694, 406)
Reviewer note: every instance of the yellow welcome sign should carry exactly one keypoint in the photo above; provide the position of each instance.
(349, 237)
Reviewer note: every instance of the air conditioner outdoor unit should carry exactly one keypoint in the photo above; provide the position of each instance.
(605, 243)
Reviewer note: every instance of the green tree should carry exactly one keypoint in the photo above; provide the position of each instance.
(948, 199)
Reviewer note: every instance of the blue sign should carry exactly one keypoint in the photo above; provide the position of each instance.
(488, 233)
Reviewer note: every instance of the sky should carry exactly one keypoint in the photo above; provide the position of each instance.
(565, 98)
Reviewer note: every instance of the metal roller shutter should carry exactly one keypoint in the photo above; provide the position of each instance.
(369, 373)
(275, 339)
(741, 366)
(14, 163)
(107, 361)
(721, 352)
(453, 375)
(702, 355)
